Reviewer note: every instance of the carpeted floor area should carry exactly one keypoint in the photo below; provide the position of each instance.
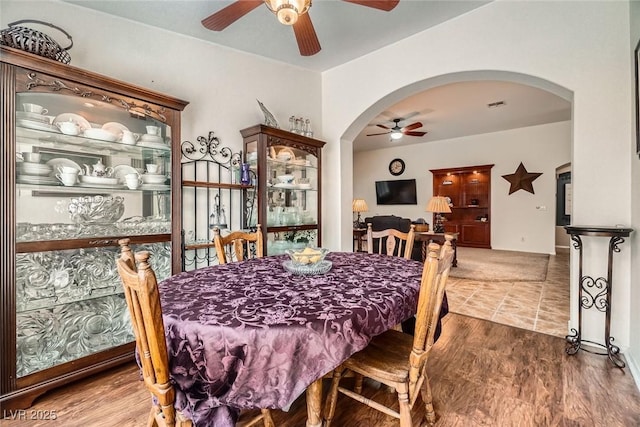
(541, 306)
(494, 265)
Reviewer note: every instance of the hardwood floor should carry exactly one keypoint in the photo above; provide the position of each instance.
(482, 374)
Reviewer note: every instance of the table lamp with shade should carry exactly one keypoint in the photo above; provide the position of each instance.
(359, 205)
(438, 205)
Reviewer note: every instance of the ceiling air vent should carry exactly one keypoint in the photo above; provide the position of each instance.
(496, 104)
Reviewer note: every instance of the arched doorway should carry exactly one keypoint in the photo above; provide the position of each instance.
(513, 236)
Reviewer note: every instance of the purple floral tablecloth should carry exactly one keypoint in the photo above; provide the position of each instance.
(252, 335)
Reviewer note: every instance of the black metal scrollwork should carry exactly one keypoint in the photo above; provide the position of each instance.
(577, 241)
(594, 299)
(207, 148)
(614, 242)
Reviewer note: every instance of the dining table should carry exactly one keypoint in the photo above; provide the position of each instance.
(252, 334)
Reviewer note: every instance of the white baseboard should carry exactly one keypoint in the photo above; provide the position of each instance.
(634, 368)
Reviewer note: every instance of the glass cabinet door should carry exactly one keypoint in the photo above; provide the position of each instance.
(287, 167)
(87, 174)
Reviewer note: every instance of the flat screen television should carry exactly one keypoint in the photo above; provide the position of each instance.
(397, 192)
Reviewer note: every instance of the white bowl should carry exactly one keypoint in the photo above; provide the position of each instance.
(102, 134)
(148, 178)
(286, 179)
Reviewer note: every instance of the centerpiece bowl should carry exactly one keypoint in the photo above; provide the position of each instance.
(307, 255)
(307, 261)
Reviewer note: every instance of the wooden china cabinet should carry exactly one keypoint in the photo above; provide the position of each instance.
(469, 189)
(63, 314)
(288, 170)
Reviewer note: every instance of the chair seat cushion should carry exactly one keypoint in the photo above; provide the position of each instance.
(385, 359)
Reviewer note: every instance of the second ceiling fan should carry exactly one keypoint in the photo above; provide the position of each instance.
(289, 12)
(397, 131)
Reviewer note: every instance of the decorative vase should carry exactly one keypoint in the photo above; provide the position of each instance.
(245, 177)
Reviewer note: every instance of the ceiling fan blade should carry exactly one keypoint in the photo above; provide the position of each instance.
(413, 133)
(383, 126)
(385, 5)
(413, 126)
(230, 14)
(306, 36)
(374, 134)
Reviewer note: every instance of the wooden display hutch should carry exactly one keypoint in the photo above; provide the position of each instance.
(469, 189)
(288, 212)
(63, 315)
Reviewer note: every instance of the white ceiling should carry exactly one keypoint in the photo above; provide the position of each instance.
(460, 109)
(347, 31)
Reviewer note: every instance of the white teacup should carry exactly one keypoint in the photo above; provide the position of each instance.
(30, 157)
(153, 130)
(129, 137)
(132, 180)
(68, 128)
(34, 108)
(152, 168)
(68, 179)
(68, 170)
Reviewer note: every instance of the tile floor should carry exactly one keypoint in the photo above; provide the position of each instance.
(536, 306)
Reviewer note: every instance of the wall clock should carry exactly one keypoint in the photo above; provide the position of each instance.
(396, 167)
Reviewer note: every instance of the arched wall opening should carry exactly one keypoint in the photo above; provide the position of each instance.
(532, 148)
(524, 222)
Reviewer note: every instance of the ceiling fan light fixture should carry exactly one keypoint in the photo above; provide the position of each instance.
(396, 134)
(288, 11)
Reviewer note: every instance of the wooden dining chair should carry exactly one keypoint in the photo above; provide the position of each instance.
(391, 241)
(238, 245)
(399, 360)
(141, 292)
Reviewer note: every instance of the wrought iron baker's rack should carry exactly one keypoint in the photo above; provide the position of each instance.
(212, 196)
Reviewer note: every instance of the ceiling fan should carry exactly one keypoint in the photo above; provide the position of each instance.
(397, 131)
(289, 12)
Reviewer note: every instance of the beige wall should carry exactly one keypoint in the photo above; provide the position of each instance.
(580, 46)
(521, 221)
(634, 241)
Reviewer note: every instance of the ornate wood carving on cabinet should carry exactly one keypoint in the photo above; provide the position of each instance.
(63, 315)
(469, 189)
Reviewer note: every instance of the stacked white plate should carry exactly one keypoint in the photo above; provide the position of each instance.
(101, 134)
(35, 169)
(35, 121)
(36, 173)
(115, 128)
(153, 141)
(152, 138)
(98, 182)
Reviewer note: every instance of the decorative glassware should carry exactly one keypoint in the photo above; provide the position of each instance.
(96, 209)
(307, 129)
(245, 177)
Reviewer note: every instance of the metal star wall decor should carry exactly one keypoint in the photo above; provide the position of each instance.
(521, 179)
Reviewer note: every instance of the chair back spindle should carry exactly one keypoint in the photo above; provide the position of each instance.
(238, 245)
(391, 242)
